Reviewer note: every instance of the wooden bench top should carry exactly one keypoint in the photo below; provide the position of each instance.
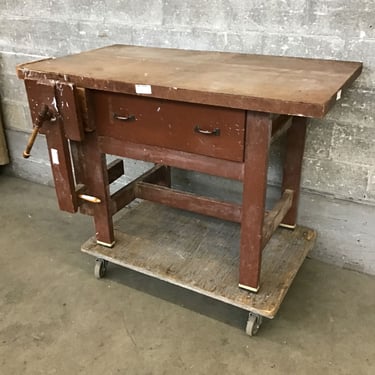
(283, 85)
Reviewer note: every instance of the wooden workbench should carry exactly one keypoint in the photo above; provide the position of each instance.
(211, 112)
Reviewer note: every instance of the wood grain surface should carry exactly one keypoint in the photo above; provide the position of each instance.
(284, 85)
(202, 254)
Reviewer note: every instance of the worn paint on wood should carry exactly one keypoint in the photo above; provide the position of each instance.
(258, 138)
(69, 110)
(292, 169)
(199, 129)
(188, 201)
(283, 85)
(173, 158)
(202, 254)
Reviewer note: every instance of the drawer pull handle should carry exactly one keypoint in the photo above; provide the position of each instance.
(216, 131)
(124, 118)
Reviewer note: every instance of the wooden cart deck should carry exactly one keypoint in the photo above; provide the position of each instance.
(202, 254)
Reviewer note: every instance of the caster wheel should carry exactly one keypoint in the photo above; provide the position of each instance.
(100, 268)
(253, 324)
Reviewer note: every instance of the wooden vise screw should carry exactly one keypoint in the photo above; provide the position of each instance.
(44, 115)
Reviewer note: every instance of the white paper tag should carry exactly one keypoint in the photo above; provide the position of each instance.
(338, 95)
(54, 156)
(143, 89)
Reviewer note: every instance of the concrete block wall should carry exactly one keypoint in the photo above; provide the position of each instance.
(339, 161)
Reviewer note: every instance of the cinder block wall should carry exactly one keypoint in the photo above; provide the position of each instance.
(339, 162)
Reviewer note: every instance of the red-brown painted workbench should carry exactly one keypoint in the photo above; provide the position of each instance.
(211, 112)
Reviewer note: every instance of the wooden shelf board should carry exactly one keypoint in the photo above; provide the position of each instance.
(202, 254)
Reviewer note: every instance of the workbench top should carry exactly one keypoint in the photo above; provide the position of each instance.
(283, 85)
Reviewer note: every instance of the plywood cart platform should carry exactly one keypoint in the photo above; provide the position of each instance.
(201, 254)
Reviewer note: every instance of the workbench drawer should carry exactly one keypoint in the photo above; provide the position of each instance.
(199, 129)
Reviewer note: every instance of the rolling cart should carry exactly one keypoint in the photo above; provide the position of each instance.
(201, 254)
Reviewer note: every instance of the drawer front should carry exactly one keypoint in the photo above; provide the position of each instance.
(199, 129)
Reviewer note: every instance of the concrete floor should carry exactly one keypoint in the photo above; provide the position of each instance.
(56, 318)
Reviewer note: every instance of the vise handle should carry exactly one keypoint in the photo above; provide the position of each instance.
(44, 115)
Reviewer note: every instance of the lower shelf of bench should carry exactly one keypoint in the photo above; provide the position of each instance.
(202, 254)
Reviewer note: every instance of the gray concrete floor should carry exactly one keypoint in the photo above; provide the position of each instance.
(56, 318)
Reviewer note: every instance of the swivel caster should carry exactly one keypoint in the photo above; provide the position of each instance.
(100, 268)
(253, 324)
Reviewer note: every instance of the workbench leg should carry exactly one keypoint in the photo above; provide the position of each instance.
(167, 179)
(93, 174)
(258, 137)
(295, 145)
